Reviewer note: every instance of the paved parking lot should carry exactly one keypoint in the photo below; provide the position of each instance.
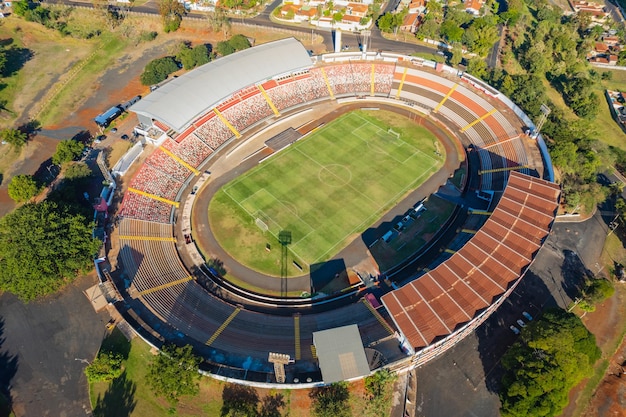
(49, 342)
(465, 380)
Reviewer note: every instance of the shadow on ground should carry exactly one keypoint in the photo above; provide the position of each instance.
(8, 368)
(118, 400)
(495, 335)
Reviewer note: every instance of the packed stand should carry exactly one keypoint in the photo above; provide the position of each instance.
(191, 150)
(383, 77)
(137, 206)
(153, 181)
(362, 77)
(214, 132)
(246, 113)
(340, 78)
(163, 162)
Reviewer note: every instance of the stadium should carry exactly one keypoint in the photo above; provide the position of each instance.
(240, 111)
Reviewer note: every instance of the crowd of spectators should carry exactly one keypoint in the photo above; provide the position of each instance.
(154, 181)
(214, 133)
(245, 113)
(165, 163)
(191, 150)
(137, 206)
(383, 77)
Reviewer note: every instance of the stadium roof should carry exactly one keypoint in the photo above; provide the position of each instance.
(179, 102)
(340, 353)
(445, 298)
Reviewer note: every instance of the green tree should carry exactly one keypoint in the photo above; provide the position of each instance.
(389, 22)
(21, 8)
(239, 42)
(551, 356)
(481, 36)
(477, 67)
(14, 137)
(596, 291)
(67, 150)
(219, 20)
(451, 31)
(76, 171)
(157, 70)
(428, 30)
(379, 388)
(457, 54)
(42, 247)
(23, 188)
(331, 401)
(172, 12)
(106, 367)
(174, 372)
(224, 48)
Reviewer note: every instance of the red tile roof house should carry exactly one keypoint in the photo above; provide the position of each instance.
(474, 6)
(357, 9)
(410, 23)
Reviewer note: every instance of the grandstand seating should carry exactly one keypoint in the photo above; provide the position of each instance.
(163, 162)
(153, 181)
(214, 132)
(247, 112)
(441, 301)
(434, 305)
(191, 150)
(136, 206)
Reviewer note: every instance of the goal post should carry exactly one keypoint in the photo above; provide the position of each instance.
(393, 133)
(261, 225)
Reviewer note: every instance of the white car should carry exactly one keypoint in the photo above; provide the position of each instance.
(527, 316)
(521, 323)
(514, 329)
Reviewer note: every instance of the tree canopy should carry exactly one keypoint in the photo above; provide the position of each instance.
(331, 401)
(172, 12)
(42, 247)
(14, 137)
(193, 57)
(157, 70)
(552, 355)
(174, 372)
(23, 188)
(106, 367)
(67, 150)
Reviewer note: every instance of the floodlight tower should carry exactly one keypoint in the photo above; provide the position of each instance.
(545, 112)
(279, 360)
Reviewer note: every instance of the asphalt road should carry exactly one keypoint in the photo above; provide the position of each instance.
(377, 42)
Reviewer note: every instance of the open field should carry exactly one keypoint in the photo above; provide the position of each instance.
(329, 187)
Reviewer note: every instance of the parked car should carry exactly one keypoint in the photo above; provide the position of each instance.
(99, 138)
(124, 137)
(114, 130)
(514, 329)
(521, 323)
(527, 316)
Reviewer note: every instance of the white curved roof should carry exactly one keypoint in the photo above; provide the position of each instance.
(184, 99)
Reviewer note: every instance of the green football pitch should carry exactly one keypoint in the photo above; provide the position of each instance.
(335, 183)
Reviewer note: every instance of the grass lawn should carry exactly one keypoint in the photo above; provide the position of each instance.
(325, 189)
(39, 58)
(130, 396)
